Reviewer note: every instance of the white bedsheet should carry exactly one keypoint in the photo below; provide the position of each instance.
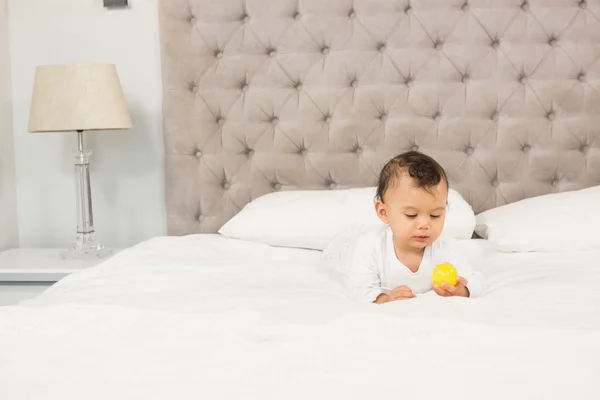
(207, 317)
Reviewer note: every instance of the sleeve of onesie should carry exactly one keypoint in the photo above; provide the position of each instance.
(475, 279)
(360, 274)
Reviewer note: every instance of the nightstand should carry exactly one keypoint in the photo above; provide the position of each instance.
(25, 273)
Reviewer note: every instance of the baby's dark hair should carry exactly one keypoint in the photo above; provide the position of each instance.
(421, 168)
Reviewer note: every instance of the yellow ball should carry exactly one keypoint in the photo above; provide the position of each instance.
(445, 272)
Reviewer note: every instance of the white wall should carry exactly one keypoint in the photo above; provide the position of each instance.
(126, 166)
(8, 203)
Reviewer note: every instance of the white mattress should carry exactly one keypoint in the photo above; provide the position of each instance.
(207, 317)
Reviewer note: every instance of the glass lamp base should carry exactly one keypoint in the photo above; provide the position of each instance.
(86, 247)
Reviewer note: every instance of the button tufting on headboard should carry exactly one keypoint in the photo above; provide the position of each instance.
(522, 78)
(263, 96)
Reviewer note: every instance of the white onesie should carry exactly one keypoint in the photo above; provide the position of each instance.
(369, 264)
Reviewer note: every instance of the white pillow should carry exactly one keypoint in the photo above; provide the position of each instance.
(554, 222)
(312, 218)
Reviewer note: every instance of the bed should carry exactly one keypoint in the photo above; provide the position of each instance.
(278, 116)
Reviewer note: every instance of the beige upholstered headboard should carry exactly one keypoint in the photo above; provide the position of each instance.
(264, 95)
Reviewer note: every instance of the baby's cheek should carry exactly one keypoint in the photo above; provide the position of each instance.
(438, 225)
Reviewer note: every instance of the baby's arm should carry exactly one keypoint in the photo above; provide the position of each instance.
(360, 274)
(475, 281)
(363, 281)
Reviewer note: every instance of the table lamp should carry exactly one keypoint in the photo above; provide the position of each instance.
(78, 98)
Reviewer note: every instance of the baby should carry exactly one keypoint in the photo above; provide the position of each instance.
(396, 261)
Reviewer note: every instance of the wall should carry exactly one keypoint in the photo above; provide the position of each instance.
(126, 166)
(8, 202)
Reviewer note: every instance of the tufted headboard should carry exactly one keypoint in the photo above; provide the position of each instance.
(264, 95)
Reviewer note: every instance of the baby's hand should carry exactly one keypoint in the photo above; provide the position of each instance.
(401, 293)
(460, 289)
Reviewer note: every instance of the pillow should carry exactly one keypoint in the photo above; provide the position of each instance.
(554, 222)
(311, 219)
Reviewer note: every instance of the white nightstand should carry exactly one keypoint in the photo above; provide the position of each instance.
(25, 273)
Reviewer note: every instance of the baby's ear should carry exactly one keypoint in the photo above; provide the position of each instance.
(381, 211)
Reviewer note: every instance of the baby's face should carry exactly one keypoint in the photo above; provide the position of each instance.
(415, 215)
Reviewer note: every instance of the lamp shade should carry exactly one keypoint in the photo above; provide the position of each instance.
(78, 97)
